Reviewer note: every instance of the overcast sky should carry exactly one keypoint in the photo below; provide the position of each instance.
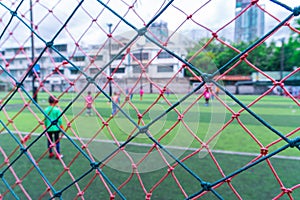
(212, 14)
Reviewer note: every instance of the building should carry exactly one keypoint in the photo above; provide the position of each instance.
(251, 24)
(57, 74)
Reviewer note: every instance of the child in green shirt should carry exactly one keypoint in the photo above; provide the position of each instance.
(53, 112)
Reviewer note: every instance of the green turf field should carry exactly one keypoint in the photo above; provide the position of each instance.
(256, 183)
(280, 113)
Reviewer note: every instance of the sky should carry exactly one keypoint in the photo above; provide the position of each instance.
(212, 14)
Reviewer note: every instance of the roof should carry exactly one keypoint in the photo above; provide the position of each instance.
(228, 78)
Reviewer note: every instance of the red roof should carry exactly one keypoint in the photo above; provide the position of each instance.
(228, 78)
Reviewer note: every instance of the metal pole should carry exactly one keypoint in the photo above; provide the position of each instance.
(109, 51)
(34, 89)
(282, 62)
(141, 59)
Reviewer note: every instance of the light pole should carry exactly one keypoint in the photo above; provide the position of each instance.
(34, 89)
(141, 60)
(109, 52)
(282, 62)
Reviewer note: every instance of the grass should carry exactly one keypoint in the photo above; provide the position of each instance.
(279, 112)
(256, 183)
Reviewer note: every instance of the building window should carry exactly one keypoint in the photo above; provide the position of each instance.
(61, 72)
(73, 70)
(61, 47)
(58, 59)
(164, 54)
(141, 55)
(99, 57)
(94, 70)
(136, 69)
(118, 71)
(78, 58)
(164, 68)
(120, 57)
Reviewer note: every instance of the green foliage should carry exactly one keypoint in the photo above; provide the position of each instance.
(211, 56)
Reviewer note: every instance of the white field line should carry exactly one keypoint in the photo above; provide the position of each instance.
(181, 148)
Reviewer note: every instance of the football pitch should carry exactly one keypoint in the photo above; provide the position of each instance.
(233, 148)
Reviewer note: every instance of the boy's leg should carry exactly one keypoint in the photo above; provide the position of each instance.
(49, 140)
(57, 142)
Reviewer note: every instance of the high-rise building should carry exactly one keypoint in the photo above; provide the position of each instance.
(250, 25)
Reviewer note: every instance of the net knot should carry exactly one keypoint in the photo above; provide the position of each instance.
(23, 150)
(277, 83)
(264, 151)
(206, 186)
(56, 69)
(49, 44)
(140, 116)
(95, 165)
(110, 78)
(148, 196)
(67, 169)
(90, 80)
(69, 124)
(109, 35)
(228, 180)
(215, 35)
(58, 194)
(25, 139)
(235, 115)
(254, 2)
(143, 129)
(170, 169)
(6, 160)
(243, 57)
(207, 77)
(189, 17)
(142, 31)
(180, 117)
(6, 64)
(26, 104)
(54, 122)
(295, 142)
(83, 146)
(18, 84)
(10, 121)
(65, 62)
(134, 166)
(80, 194)
(13, 13)
(105, 123)
(286, 190)
(18, 181)
(112, 197)
(296, 11)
